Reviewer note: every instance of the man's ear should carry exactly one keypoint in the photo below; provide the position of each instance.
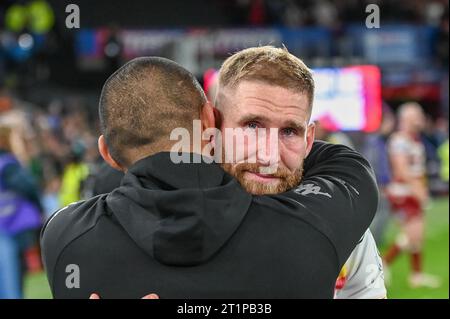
(207, 116)
(218, 118)
(310, 135)
(104, 152)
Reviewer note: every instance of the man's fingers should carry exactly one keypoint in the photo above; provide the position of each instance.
(94, 296)
(151, 296)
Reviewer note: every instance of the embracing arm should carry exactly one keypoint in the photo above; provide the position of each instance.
(338, 194)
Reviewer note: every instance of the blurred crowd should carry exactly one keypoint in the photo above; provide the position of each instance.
(49, 151)
(327, 13)
(57, 143)
(46, 157)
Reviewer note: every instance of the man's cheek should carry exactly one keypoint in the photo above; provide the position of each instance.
(293, 160)
(241, 152)
(292, 155)
(236, 151)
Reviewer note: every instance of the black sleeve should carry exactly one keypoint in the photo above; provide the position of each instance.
(50, 238)
(338, 195)
(64, 226)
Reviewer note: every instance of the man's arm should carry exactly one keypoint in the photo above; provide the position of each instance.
(60, 229)
(338, 195)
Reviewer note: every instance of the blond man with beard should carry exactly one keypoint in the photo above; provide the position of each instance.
(267, 88)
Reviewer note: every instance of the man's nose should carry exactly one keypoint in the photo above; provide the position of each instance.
(268, 150)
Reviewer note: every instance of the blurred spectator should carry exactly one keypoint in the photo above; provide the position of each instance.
(19, 217)
(375, 150)
(335, 137)
(293, 16)
(58, 146)
(50, 201)
(75, 173)
(433, 136)
(408, 193)
(433, 12)
(113, 50)
(443, 155)
(257, 15)
(325, 13)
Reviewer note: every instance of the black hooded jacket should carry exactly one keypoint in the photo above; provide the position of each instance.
(191, 231)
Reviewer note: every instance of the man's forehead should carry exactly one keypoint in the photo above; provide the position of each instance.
(250, 94)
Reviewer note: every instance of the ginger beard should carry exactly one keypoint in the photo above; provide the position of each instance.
(253, 181)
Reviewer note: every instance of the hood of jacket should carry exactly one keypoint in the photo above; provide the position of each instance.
(180, 214)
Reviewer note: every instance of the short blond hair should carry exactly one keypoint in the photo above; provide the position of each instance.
(274, 66)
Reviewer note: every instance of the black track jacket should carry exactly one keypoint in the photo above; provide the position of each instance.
(191, 231)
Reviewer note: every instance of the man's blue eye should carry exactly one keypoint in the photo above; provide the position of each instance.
(252, 125)
(289, 131)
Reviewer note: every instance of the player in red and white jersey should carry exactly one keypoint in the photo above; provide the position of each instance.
(362, 276)
(408, 192)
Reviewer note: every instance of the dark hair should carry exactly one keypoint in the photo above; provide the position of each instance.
(143, 101)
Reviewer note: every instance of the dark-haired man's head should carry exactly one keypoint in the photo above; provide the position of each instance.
(140, 105)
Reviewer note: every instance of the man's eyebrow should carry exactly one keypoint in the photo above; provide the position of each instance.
(296, 125)
(260, 118)
(253, 117)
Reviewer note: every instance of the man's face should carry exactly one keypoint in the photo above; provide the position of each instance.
(279, 157)
(413, 120)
